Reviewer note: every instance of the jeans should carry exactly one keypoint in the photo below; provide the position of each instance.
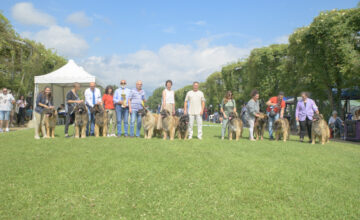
(21, 116)
(111, 117)
(224, 126)
(91, 123)
(122, 114)
(68, 119)
(305, 125)
(271, 122)
(39, 125)
(199, 124)
(137, 116)
(251, 128)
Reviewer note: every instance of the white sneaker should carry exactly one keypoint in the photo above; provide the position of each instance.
(37, 137)
(108, 135)
(189, 138)
(7, 130)
(200, 138)
(113, 135)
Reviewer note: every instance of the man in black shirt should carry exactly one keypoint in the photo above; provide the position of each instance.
(72, 98)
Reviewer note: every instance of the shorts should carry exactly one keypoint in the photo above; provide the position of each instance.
(4, 115)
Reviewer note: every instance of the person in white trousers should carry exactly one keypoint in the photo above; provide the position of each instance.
(194, 106)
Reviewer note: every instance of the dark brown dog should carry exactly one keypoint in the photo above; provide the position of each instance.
(282, 129)
(100, 120)
(50, 119)
(260, 124)
(183, 127)
(320, 129)
(81, 120)
(235, 126)
(169, 124)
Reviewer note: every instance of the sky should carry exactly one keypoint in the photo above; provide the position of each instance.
(153, 41)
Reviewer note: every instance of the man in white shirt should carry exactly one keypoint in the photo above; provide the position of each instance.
(6, 102)
(92, 97)
(196, 101)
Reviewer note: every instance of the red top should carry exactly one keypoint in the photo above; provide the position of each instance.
(275, 100)
(108, 101)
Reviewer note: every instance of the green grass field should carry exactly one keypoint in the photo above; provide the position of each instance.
(114, 178)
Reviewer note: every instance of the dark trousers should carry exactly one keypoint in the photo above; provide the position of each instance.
(305, 126)
(68, 119)
(21, 116)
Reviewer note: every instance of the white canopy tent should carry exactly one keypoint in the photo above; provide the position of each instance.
(62, 80)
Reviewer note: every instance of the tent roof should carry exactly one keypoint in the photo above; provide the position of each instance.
(69, 73)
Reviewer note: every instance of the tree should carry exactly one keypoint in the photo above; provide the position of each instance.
(155, 99)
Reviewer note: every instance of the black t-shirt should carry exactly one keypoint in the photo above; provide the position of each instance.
(71, 96)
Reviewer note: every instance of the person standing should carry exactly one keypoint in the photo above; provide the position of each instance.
(92, 97)
(227, 105)
(275, 110)
(167, 101)
(136, 102)
(252, 111)
(121, 101)
(196, 101)
(21, 105)
(6, 102)
(304, 113)
(72, 98)
(336, 123)
(108, 100)
(43, 101)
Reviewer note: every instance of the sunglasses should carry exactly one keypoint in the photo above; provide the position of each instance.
(122, 83)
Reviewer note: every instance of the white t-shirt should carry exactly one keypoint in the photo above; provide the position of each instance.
(195, 99)
(5, 102)
(169, 96)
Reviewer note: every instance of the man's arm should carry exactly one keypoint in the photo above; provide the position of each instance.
(185, 107)
(202, 107)
(282, 112)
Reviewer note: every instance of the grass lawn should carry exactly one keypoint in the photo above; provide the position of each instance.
(116, 178)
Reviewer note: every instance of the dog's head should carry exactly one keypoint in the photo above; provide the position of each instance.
(143, 112)
(262, 117)
(278, 124)
(165, 113)
(98, 108)
(317, 117)
(233, 115)
(184, 119)
(49, 112)
(80, 108)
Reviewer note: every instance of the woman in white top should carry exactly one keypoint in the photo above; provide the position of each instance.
(167, 101)
(168, 98)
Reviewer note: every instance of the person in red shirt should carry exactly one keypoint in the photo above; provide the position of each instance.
(275, 109)
(107, 99)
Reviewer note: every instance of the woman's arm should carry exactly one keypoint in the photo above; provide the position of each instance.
(297, 111)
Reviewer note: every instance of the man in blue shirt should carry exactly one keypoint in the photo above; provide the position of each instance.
(121, 102)
(136, 102)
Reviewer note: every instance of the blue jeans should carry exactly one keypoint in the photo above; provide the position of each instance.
(271, 122)
(122, 114)
(91, 123)
(137, 116)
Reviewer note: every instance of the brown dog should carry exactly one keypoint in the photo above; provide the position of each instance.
(149, 122)
(169, 124)
(320, 129)
(282, 129)
(183, 127)
(81, 120)
(50, 119)
(235, 126)
(100, 120)
(260, 124)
